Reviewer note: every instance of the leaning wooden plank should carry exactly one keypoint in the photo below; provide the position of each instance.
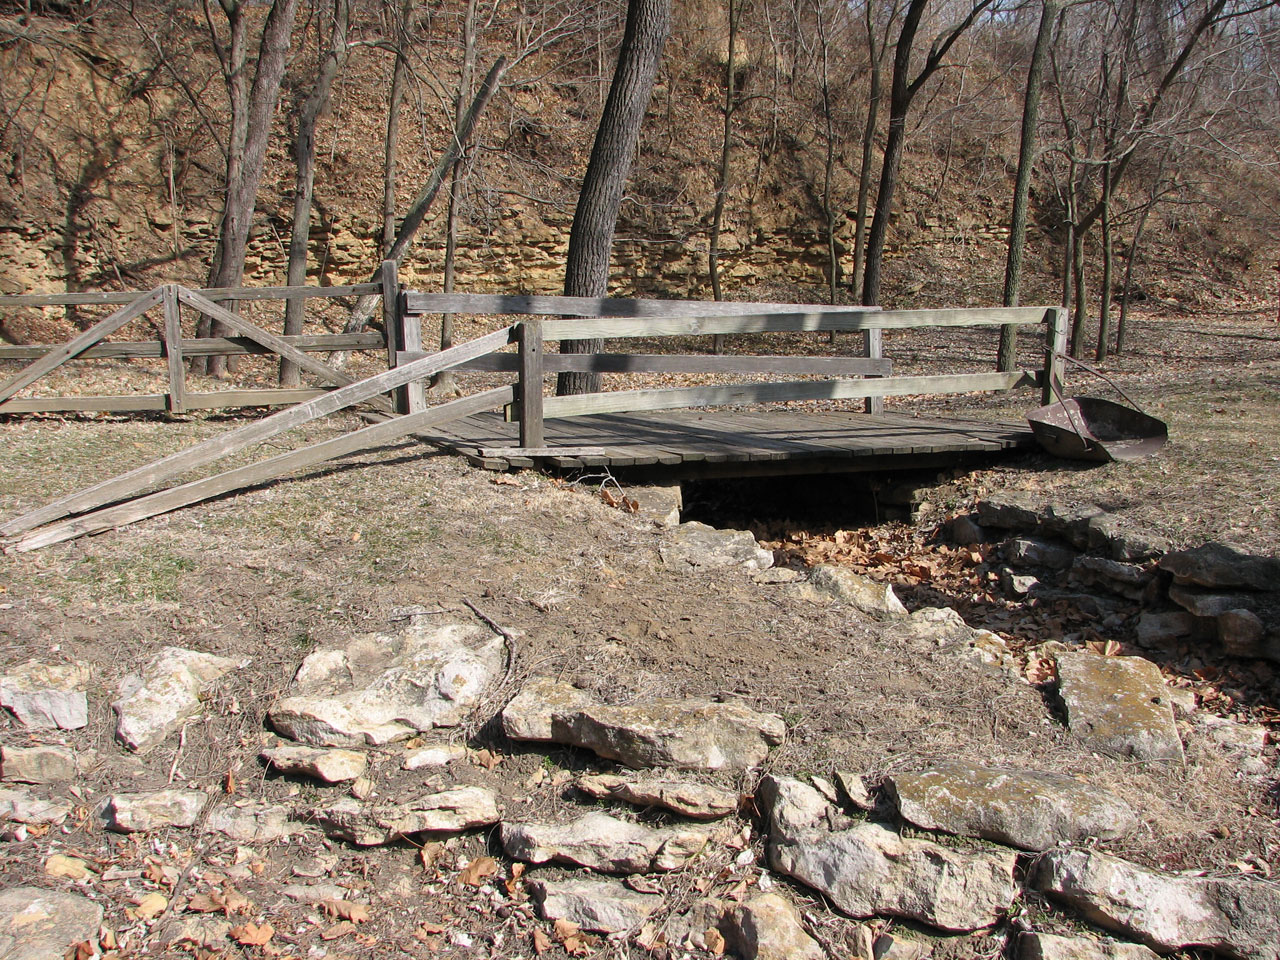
(671, 398)
(206, 347)
(164, 501)
(269, 340)
(34, 371)
(135, 481)
(601, 306)
(679, 363)
(775, 322)
(219, 293)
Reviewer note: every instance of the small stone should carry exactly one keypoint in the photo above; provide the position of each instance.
(203, 931)
(599, 906)
(889, 947)
(966, 532)
(37, 924)
(869, 596)
(696, 546)
(46, 695)
(1017, 585)
(437, 755)
(382, 687)
(1243, 634)
(315, 892)
(528, 715)
(1238, 738)
(1210, 603)
(368, 825)
(1126, 579)
(331, 766)
(72, 868)
(153, 705)
(660, 503)
(1026, 552)
(1010, 510)
(768, 927)
(698, 801)
(855, 790)
(1118, 705)
(38, 764)
(251, 822)
(605, 843)
(1236, 918)
(1159, 628)
(1028, 809)
(1048, 946)
(362, 788)
(21, 806)
(139, 812)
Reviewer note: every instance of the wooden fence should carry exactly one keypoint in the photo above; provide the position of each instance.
(175, 349)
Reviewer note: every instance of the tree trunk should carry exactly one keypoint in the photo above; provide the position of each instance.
(391, 143)
(596, 215)
(444, 381)
(868, 145)
(1108, 265)
(1008, 355)
(242, 187)
(304, 153)
(1122, 325)
(722, 174)
(1081, 312)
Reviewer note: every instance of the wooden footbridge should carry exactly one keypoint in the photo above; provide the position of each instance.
(716, 430)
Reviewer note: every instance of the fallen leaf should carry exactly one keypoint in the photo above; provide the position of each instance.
(513, 884)
(252, 934)
(541, 942)
(345, 910)
(474, 873)
(430, 853)
(160, 873)
(714, 941)
(84, 950)
(486, 758)
(579, 945)
(341, 929)
(427, 929)
(151, 906)
(565, 928)
(504, 480)
(229, 783)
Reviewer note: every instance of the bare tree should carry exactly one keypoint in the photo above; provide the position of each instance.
(596, 215)
(726, 149)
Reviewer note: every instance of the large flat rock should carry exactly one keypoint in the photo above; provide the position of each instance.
(691, 734)
(38, 924)
(374, 824)
(605, 843)
(46, 695)
(1030, 809)
(154, 703)
(382, 687)
(1236, 918)
(1119, 706)
(601, 906)
(1222, 567)
(1048, 946)
(869, 870)
(696, 546)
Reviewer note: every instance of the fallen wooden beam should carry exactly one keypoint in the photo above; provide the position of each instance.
(135, 481)
(164, 501)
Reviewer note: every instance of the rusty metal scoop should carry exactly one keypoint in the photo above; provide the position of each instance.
(1089, 428)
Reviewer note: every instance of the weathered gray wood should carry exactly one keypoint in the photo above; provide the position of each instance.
(173, 350)
(566, 451)
(164, 501)
(160, 401)
(112, 298)
(774, 322)
(1051, 381)
(55, 358)
(204, 347)
(678, 363)
(529, 333)
(134, 481)
(671, 398)
(502, 304)
(873, 348)
(269, 340)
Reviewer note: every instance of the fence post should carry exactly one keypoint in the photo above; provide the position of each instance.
(529, 333)
(177, 399)
(1055, 345)
(393, 323)
(873, 346)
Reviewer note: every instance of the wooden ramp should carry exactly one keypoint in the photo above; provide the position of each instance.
(692, 443)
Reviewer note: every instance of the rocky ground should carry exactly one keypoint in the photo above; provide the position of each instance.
(407, 708)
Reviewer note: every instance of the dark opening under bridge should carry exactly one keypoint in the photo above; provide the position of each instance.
(701, 430)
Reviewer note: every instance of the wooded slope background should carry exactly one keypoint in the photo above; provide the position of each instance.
(129, 133)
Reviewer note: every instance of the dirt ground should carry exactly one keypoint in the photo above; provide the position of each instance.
(274, 572)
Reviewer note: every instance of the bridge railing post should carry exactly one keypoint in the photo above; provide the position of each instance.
(529, 334)
(1055, 345)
